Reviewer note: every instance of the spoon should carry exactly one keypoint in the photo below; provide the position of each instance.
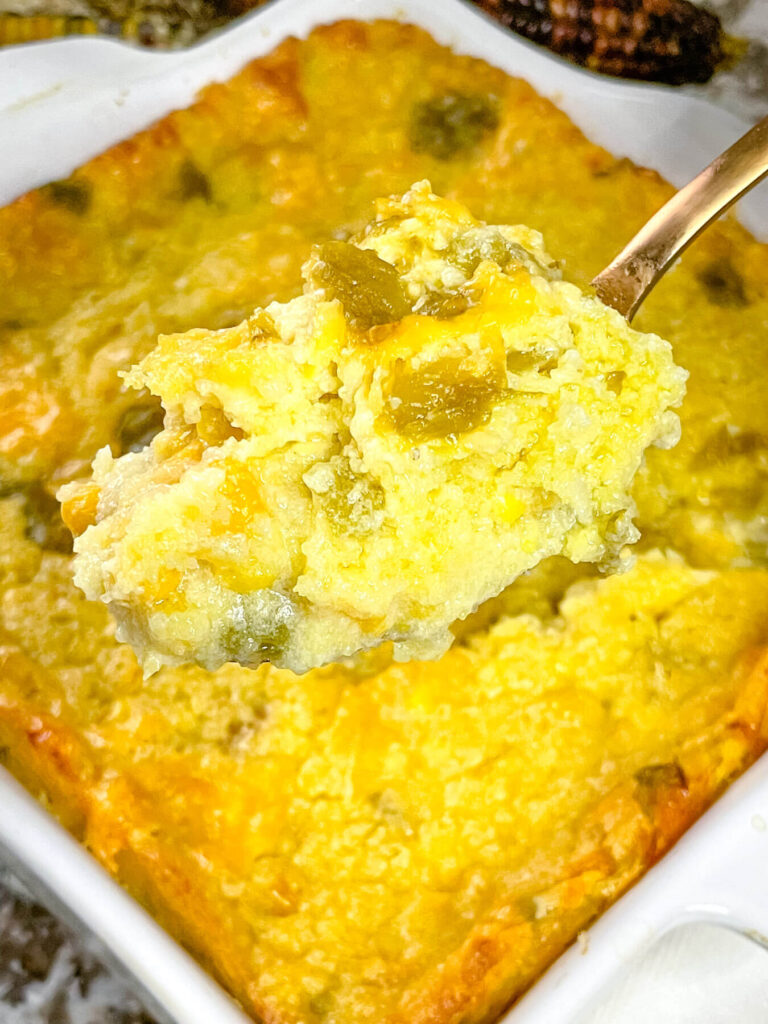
(629, 277)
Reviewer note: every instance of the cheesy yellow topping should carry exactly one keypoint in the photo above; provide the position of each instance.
(436, 414)
(374, 841)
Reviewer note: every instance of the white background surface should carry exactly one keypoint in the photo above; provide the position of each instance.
(697, 974)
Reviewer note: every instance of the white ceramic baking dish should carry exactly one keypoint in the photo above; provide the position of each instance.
(64, 101)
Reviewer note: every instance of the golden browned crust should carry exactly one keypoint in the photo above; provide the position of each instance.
(375, 842)
(624, 834)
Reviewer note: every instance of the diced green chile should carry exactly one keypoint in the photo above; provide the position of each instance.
(530, 361)
(193, 184)
(444, 304)
(369, 288)
(73, 194)
(258, 627)
(667, 774)
(616, 166)
(353, 501)
(451, 124)
(723, 284)
(653, 780)
(466, 251)
(725, 444)
(253, 649)
(138, 424)
(614, 381)
(440, 399)
(321, 1003)
(44, 523)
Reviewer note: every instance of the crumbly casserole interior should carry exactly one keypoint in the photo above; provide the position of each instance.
(376, 841)
(436, 414)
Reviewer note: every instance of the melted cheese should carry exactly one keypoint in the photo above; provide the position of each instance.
(357, 469)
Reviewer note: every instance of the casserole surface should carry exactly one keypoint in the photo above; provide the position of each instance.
(314, 819)
(272, 519)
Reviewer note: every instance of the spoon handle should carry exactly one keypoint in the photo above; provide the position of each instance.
(630, 276)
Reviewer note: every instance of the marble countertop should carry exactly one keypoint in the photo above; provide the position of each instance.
(49, 975)
(744, 88)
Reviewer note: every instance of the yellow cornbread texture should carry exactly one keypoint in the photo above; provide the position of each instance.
(435, 415)
(376, 842)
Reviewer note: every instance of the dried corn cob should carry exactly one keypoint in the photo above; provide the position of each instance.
(670, 41)
(157, 24)
(661, 40)
(15, 28)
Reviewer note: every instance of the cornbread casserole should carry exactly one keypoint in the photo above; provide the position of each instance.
(433, 362)
(376, 841)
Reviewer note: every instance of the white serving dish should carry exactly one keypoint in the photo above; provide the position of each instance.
(61, 103)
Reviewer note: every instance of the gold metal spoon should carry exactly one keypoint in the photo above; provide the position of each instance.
(630, 276)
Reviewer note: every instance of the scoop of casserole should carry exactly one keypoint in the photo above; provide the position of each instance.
(436, 414)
